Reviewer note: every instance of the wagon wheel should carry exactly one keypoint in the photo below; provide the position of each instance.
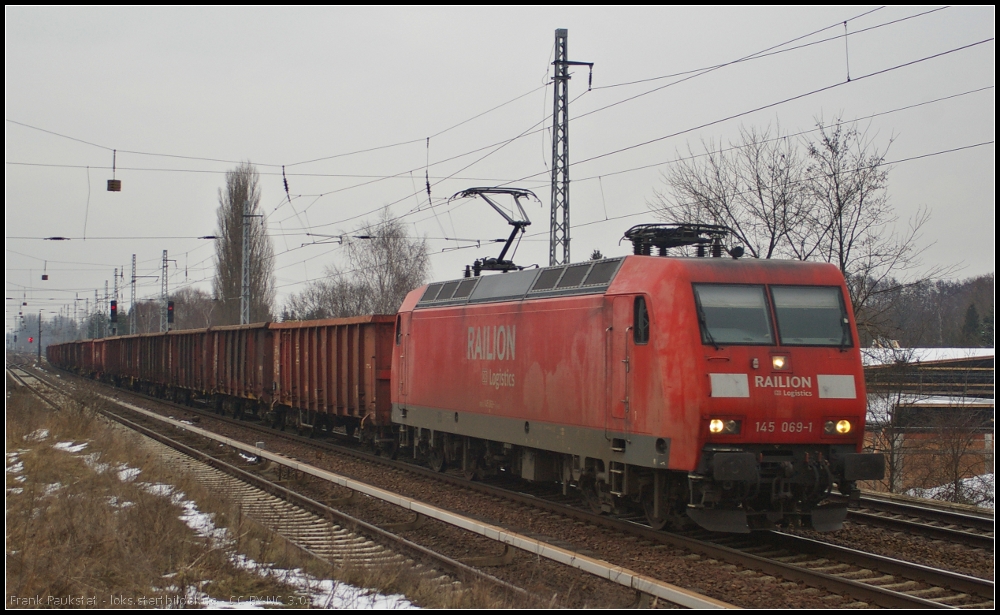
(387, 447)
(435, 459)
(591, 496)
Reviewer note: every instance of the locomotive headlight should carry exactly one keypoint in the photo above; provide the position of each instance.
(724, 426)
(841, 427)
(779, 362)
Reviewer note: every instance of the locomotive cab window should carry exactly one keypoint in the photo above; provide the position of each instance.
(733, 314)
(640, 321)
(811, 316)
(399, 328)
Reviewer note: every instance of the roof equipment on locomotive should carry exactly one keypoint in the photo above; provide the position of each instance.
(498, 263)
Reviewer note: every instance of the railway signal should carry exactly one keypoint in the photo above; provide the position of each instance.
(114, 185)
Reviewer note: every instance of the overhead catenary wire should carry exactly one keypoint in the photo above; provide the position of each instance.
(427, 164)
(885, 163)
(795, 134)
(412, 141)
(730, 117)
(768, 105)
(265, 164)
(499, 145)
(775, 49)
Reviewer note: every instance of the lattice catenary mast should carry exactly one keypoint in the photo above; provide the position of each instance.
(559, 225)
(163, 294)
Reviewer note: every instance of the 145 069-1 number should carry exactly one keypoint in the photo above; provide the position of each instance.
(785, 426)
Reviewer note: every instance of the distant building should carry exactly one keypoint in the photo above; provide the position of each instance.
(931, 412)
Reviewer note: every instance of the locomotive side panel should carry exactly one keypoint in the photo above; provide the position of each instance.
(532, 373)
(539, 361)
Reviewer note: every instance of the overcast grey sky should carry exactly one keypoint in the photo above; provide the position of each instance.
(196, 90)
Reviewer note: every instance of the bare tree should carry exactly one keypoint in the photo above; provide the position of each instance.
(853, 224)
(959, 455)
(147, 316)
(887, 393)
(335, 296)
(242, 190)
(387, 262)
(755, 187)
(829, 204)
(952, 453)
(384, 264)
(193, 308)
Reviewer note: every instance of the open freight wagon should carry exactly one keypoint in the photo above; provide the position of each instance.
(314, 375)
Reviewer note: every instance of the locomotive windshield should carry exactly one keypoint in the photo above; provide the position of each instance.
(811, 316)
(739, 314)
(733, 314)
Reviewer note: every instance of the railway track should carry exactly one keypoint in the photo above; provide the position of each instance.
(974, 529)
(887, 579)
(305, 529)
(869, 578)
(40, 387)
(866, 578)
(308, 524)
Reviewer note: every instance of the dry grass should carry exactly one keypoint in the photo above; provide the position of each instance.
(78, 535)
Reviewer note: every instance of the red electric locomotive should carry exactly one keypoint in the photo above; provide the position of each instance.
(724, 391)
(729, 392)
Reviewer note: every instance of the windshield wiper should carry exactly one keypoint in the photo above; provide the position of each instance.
(704, 327)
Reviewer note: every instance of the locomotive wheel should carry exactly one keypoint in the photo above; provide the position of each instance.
(435, 460)
(657, 523)
(473, 460)
(473, 471)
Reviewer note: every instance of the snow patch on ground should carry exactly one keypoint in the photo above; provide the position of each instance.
(322, 593)
(127, 474)
(159, 489)
(92, 462)
(114, 502)
(69, 447)
(37, 436)
(979, 490)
